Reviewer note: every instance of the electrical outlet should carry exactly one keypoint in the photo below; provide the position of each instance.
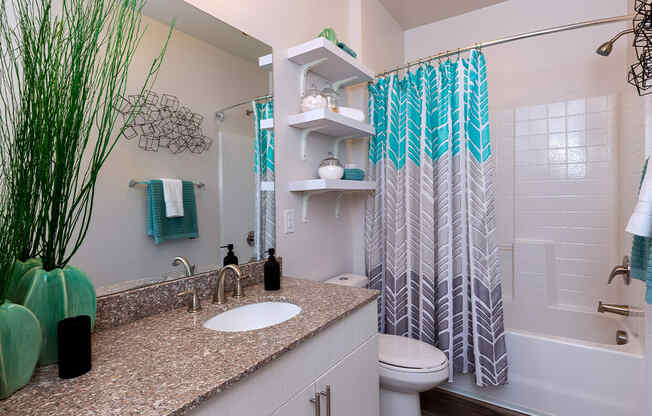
(290, 221)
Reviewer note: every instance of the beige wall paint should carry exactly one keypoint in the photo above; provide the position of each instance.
(413, 13)
(324, 246)
(381, 47)
(204, 79)
(538, 69)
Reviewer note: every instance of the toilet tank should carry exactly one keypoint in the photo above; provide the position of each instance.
(352, 280)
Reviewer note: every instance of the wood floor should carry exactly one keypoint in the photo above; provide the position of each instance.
(442, 403)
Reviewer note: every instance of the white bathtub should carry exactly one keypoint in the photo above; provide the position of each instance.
(566, 363)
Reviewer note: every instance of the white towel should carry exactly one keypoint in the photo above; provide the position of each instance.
(640, 223)
(173, 196)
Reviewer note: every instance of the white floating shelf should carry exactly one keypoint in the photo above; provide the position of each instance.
(331, 185)
(338, 65)
(327, 122)
(313, 187)
(265, 62)
(330, 123)
(267, 124)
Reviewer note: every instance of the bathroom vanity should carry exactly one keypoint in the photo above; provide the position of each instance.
(170, 364)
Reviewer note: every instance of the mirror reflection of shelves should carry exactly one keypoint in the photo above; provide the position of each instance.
(312, 187)
(265, 62)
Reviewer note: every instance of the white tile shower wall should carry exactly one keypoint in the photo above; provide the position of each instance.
(557, 170)
(534, 267)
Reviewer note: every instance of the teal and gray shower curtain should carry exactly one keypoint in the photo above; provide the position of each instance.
(430, 227)
(265, 225)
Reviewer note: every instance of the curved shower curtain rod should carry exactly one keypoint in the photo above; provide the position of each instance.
(500, 41)
(220, 113)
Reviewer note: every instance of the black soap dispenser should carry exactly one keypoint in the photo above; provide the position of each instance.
(230, 257)
(272, 272)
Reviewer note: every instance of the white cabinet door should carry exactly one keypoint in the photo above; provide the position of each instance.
(354, 388)
(300, 404)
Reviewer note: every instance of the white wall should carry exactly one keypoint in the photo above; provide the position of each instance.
(204, 79)
(564, 131)
(325, 246)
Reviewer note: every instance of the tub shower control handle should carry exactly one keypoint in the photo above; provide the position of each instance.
(623, 270)
(317, 402)
(328, 394)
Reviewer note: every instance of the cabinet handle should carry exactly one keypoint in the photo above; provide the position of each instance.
(327, 393)
(317, 402)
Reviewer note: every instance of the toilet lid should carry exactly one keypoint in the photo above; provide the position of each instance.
(408, 352)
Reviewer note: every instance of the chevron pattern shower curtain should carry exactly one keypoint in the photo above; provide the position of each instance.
(265, 227)
(430, 227)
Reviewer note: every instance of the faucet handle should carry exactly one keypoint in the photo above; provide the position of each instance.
(194, 305)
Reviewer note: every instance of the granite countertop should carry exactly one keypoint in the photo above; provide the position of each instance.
(169, 363)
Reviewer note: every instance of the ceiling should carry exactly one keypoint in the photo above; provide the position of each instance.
(205, 27)
(413, 13)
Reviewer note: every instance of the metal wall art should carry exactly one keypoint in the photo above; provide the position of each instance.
(162, 122)
(640, 74)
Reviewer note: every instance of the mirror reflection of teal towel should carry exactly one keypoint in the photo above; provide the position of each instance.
(641, 260)
(162, 228)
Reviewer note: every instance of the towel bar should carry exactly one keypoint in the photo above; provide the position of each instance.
(134, 182)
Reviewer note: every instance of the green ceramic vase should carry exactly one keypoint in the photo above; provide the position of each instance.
(20, 347)
(53, 296)
(20, 268)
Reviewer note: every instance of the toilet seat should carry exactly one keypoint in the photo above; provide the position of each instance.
(409, 355)
(443, 368)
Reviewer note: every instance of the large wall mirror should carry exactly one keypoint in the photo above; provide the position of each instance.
(214, 76)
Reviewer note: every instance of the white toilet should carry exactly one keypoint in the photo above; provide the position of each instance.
(406, 366)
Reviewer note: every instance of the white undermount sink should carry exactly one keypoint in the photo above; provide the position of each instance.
(254, 316)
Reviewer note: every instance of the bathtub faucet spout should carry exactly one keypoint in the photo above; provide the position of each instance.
(617, 309)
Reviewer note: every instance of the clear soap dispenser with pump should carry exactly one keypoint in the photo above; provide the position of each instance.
(230, 257)
(272, 270)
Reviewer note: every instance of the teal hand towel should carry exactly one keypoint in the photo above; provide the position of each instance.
(353, 174)
(161, 228)
(641, 260)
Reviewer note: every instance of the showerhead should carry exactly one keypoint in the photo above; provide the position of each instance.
(606, 48)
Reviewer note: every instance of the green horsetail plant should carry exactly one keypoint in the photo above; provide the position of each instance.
(63, 71)
(7, 257)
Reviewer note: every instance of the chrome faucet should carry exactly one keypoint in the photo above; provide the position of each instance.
(218, 297)
(623, 310)
(623, 269)
(190, 270)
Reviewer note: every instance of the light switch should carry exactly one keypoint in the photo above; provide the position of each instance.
(290, 221)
